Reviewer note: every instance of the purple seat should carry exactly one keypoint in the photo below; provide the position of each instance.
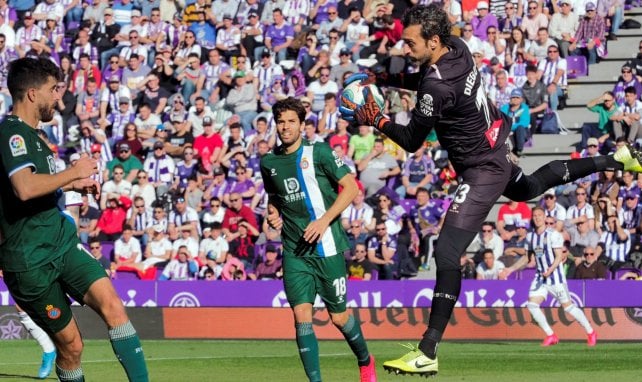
(576, 66)
(127, 275)
(527, 274)
(620, 272)
(374, 274)
(108, 249)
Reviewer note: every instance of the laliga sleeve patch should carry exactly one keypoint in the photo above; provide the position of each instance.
(425, 105)
(17, 145)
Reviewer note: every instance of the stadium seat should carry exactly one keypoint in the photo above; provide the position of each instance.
(375, 274)
(617, 274)
(576, 66)
(126, 275)
(527, 274)
(108, 249)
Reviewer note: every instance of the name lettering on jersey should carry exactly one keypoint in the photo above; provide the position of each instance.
(17, 145)
(470, 82)
(425, 105)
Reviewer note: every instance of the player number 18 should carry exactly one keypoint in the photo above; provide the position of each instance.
(340, 286)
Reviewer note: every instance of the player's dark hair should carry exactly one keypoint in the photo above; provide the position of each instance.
(289, 103)
(27, 73)
(433, 20)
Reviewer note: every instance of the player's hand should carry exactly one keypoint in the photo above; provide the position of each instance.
(370, 113)
(86, 186)
(314, 231)
(273, 218)
(85, 167)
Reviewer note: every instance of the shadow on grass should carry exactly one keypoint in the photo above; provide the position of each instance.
(6, 376)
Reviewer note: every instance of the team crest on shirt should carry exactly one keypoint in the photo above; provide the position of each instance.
(17, 145)
(52, 312)
(304, 163)
(425, 105)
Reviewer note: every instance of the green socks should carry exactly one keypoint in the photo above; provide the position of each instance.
(308, 350)
(70, 375)
(126, 345)
(352, 333)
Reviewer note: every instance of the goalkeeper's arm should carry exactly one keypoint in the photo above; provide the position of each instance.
(410, 137)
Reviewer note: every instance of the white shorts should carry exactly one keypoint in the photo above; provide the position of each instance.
(559, 291)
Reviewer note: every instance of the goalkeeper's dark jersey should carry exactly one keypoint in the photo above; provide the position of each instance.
(452, 100)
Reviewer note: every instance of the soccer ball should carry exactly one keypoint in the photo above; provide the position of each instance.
(354, 93)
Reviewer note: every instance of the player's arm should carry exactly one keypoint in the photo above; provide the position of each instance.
(519, 264)
(28, 185)
(315, 230)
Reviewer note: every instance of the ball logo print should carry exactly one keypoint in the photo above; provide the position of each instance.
(353, 95)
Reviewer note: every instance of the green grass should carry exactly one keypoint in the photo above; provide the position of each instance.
(235, 361)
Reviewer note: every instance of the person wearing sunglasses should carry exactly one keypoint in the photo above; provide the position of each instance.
(589, 40)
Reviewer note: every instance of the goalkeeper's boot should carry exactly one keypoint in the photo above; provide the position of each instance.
(415, 362)
(46, 367)
(629, 157)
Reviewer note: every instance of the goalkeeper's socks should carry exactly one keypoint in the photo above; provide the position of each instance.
(430, 342)
(70, 375)
(352, 333)
(308, 350)
(126, 345)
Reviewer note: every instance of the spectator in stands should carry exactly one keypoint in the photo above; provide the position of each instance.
(614, 245)
(233, 269)
(319, 88)
(626, 121)
(632, 217)
(589, 38)
(515, 248)
(116, 187)
(356, 233)
(160, 169)
(361, 144)
(563, 27)
(534, 21)
(628, 186)
(356, 32)
(242, 99)
(188, 74)
(509, 214)
(186, 240)
(139, 217)
(510, 23)
(134, 74)
(110, 223)
(236, 213)
(468, 269)
(160, 216)
(580, 208)
(605, 107)
(606, 185)
(581, 236)
(418, 172)
(127, 250)
(553, 208)
(187, 47)
(144, 189)
(487, 239)
(181, 268)
(473, 42)
(490, 268)
(183, 217)
(129, 163)
(426, 219)
(626, 80)
(358, 210)
(552, 72)
(519, 113)
(279, 35)
(96, 250)
(87, 219)
(205, 32)
(483, 21)
(588, 268)
(157, 251)
(500, 91)
(213, 244)
(382, 249)
(270, 268)
(242, 245)
(359, 267)
(377, 168)
(537, 50)
(535, 96)
(208, 146)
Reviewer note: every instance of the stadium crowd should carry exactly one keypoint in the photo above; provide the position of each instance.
(173, 99)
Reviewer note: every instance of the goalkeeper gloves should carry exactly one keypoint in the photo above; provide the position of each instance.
(370, 113)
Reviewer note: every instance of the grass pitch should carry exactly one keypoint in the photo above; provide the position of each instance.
(239, 361)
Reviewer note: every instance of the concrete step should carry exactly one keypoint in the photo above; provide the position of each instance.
(581, 93)
(574, 118)
(553, 144)
(604, 72)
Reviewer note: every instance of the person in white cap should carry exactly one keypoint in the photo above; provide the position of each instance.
(563, 26)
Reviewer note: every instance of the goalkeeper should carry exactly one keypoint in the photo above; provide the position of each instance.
(451, 99)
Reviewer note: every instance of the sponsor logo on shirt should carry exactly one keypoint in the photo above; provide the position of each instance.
(425, 105)
(17, 145)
